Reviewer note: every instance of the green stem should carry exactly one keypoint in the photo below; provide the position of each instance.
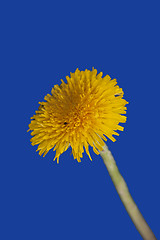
(125, 196)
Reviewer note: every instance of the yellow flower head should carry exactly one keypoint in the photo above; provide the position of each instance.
(79, 113)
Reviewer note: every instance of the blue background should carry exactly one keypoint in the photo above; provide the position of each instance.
(42, 42)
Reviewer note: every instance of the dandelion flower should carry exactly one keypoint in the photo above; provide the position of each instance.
(84, 111)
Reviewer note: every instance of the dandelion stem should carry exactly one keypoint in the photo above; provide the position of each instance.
(125, 196)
